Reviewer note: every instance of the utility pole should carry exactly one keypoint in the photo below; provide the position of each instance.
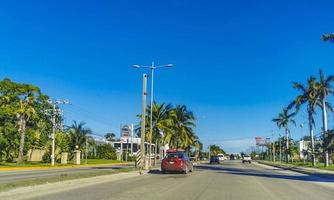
(273, 148)
(143, 123)
(54, 112)
(53, 136)
(86, 145)
(209, 152)
(280, 148)
(152, 68)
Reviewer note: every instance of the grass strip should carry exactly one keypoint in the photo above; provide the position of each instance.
(297, 164)
(59, 178)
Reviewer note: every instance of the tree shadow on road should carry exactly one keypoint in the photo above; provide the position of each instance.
(268, 174)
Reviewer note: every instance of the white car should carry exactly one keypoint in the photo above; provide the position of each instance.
(246, 158)
(221, 157)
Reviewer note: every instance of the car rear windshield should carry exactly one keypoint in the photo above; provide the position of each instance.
(174, 155)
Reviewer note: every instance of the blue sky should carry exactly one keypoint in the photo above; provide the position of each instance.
(234, 60)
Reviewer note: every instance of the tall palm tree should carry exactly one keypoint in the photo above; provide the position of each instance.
(161, 124)
(182, 134)
(283, 120)
(28, 96)
(309, 96)
(79, 134)
(325, 88)
(328, 37)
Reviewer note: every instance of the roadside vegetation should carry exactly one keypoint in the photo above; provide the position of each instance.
(313, 97)
(172, 125)
(26, 127)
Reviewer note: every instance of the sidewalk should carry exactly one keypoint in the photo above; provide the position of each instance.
(300, 169)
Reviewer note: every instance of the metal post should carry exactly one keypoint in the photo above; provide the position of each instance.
(273, 148)
(152, 67)
(53, 135)
(151, 114)
(127, 149)
(132, 131)
(280, 148)
(86, 150)
(143, 118)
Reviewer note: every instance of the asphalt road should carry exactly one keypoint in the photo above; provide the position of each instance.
(19, 175)
(231, 181)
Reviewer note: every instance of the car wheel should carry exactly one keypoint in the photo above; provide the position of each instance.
(163, 172)
(250, 162)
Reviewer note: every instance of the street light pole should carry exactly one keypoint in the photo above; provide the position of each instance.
(151, 114)
(152, 67)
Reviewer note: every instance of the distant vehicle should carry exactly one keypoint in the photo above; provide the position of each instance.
(246, 158)
(233, 157)
(214, 159)
(221, 157)
(176, 162)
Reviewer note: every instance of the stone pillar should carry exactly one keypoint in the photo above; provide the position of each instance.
(77, 157)
(146, 167)
(64, 157)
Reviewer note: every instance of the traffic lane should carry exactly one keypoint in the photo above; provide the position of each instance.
(235, 167)
(207, 182)
(13, 176)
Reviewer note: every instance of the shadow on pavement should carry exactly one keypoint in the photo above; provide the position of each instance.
(268, 174)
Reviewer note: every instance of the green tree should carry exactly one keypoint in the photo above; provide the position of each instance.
(78, 134)
(110, 137)
(327, 37)
(282, 121)
(20, 102)
(106, 151)
(310, 96)
(324, 89)
(182, 134)
(215, 150)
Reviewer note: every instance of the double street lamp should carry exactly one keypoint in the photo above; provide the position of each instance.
(152, 67)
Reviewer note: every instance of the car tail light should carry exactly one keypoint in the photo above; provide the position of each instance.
(180, 161)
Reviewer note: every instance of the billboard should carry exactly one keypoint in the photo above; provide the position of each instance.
(126, 131)
(260, 141)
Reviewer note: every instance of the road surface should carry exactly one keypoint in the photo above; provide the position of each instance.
(231, 181)
(19, 175)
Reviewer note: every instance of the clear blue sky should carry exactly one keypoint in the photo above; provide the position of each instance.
(234, 60)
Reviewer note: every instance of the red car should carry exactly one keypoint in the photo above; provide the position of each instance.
(176, 162)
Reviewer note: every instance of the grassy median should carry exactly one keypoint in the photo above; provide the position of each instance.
(62, 177)
(298, 164)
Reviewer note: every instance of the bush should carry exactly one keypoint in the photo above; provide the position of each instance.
(46, 157)
(106, 151)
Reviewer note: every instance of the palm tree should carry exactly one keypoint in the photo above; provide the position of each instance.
(182, 134)
(28, 96)
(161, 120)
(79, 134)
(325, 88)
(310, 96)
(327, 37)
(110, 137)
(283, 120)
